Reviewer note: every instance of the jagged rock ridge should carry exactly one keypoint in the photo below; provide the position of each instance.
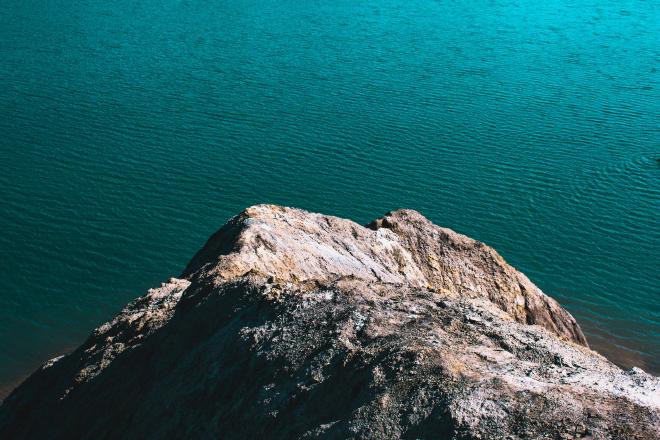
(289, 324)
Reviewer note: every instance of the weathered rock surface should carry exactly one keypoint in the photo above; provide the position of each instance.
(289, 324)
(403, 247)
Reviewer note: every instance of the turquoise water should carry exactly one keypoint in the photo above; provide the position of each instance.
(130, 131)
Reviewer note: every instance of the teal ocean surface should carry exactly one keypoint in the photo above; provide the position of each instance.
(131, 130)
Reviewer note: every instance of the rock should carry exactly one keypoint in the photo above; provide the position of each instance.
(402, 247)
(289, 324)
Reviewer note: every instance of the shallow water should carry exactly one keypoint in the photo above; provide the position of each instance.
(131, 131)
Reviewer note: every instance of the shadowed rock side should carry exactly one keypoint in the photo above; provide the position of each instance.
(295, 325)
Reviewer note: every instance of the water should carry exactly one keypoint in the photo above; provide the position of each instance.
(130, 131)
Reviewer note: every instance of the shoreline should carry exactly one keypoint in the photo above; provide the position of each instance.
(6, 388)
(10, 384)
(620, 356)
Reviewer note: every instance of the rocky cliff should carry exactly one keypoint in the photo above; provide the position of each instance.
(289, 324)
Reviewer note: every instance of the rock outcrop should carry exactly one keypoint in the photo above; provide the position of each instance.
(289, 324)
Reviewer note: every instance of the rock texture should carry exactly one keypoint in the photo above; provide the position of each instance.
(402, 248)
(289, 324)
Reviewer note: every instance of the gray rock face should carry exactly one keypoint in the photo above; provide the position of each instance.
(289, 324)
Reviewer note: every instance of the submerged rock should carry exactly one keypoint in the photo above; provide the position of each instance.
(289, 324)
